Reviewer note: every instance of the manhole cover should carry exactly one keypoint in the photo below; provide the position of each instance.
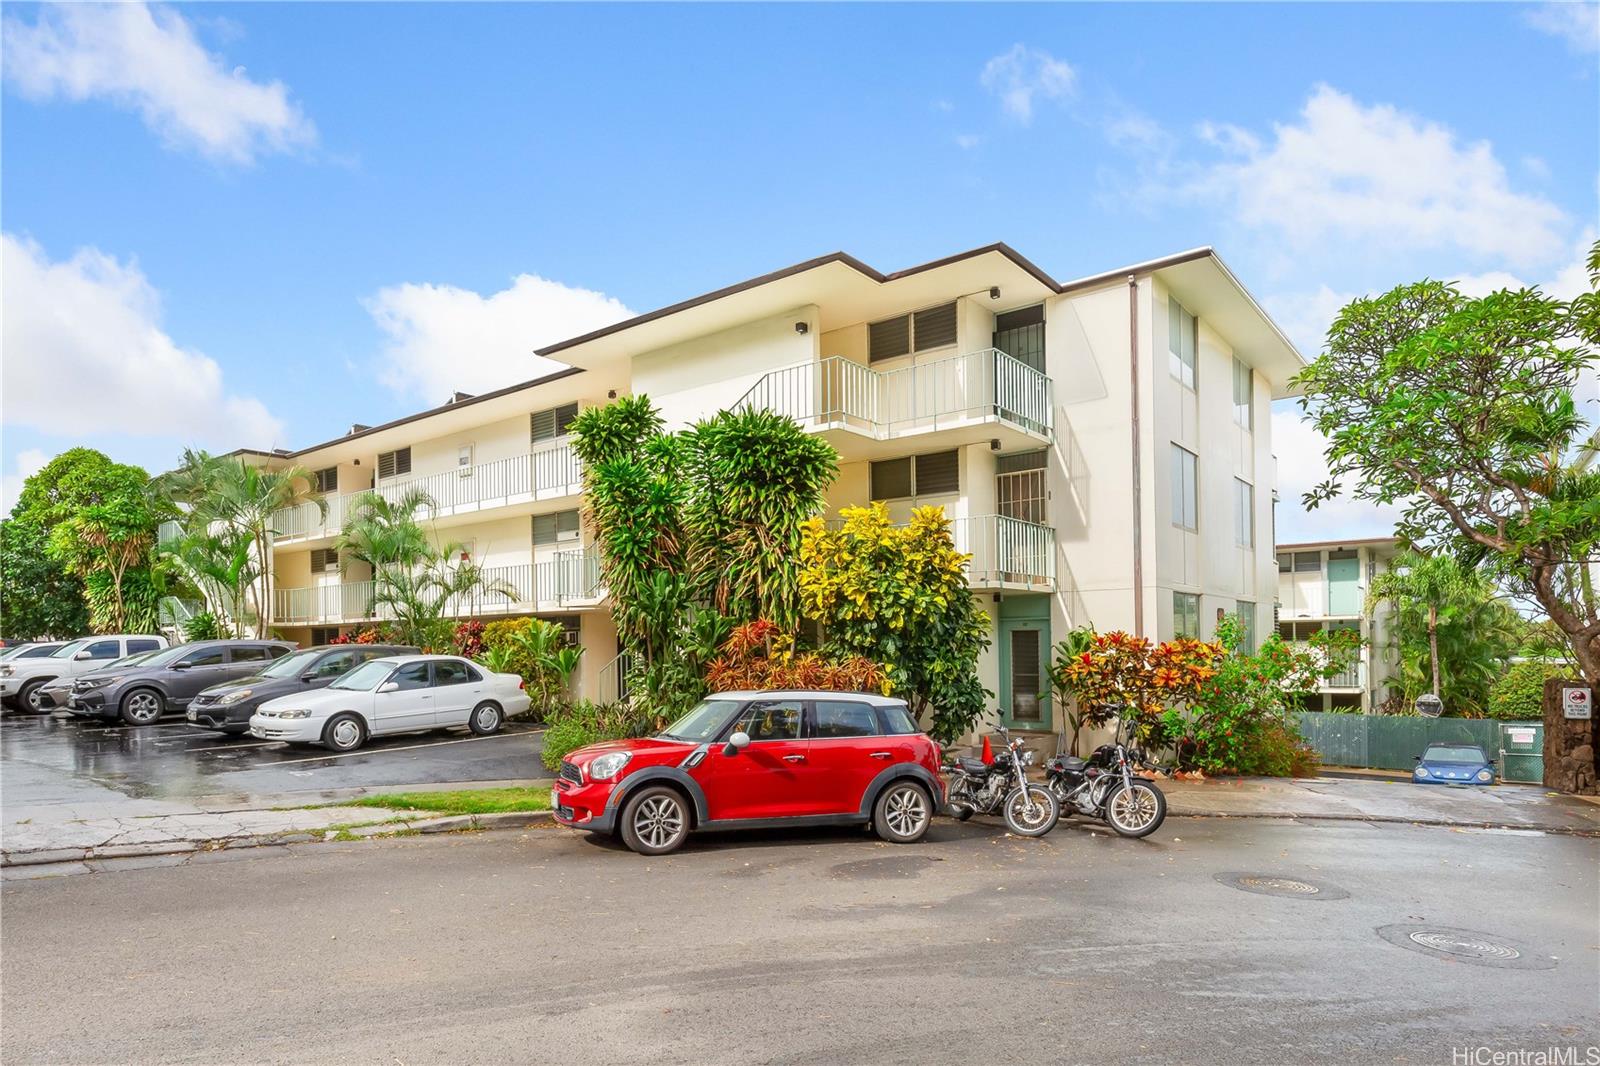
(1274, 885)
(1464, 945)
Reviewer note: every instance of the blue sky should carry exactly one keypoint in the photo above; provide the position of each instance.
(254, 224)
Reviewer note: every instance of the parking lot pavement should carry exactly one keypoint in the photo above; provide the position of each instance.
(808, 947)
(55, 767)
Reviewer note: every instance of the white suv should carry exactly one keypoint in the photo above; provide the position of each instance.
(21, 679)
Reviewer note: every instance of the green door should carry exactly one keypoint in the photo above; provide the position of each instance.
(1522, 752)
(1024, 655)
(1344, 586)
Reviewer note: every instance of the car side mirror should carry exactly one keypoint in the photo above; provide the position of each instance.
(309, 675)
(180, 666)
(1416, 758)
(82, 655)
(739, 740)
(389, 686)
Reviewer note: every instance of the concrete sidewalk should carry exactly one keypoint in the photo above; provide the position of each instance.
(1383, 800)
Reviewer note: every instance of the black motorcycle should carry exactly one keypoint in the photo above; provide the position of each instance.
(1107, 785)
(1002, 787)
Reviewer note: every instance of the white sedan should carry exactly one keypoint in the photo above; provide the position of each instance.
(399, 694)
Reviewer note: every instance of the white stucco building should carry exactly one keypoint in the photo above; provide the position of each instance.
(1103, 445)
(1324, 585)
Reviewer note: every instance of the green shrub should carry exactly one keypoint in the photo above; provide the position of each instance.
(569, 728)
(1518, 696)
(204, 626)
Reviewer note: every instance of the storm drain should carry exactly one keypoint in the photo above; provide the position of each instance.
(1274, 885)
(1464, 945)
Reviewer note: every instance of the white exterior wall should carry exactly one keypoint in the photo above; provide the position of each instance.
(693, 380)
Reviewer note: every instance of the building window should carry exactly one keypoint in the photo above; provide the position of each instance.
(1186, 615)
(324, 561)
(548, 425)
(934, 474)
(326, 480)
(1019, 486)
(1246, 612)
(1020, 334)
(1308, 562)
(571, 627)
(549, 529)
(1285, 562)
(324, 634)
(1185, 489)
(1243, 409)
(1244, 513)
(920, 331)
(395, 463)
(1182, 340)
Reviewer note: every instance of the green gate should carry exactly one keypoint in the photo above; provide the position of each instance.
(1392, 742)
(1522, 752)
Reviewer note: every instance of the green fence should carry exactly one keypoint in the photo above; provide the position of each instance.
(1391, 742)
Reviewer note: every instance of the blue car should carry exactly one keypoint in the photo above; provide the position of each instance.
(1453, 764)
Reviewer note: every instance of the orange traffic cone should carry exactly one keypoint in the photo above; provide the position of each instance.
(988, 752)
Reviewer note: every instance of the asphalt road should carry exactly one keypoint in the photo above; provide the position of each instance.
(549, 946)
(72, 765)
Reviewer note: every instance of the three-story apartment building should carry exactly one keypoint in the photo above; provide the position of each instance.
(1324, 585)
(1102, 446)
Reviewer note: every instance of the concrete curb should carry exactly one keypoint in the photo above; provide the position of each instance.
(450, 823)
(1439, 823)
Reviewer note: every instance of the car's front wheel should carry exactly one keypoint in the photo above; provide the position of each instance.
(655, 820)
(344, 732)
(902, 813)
(142, 706)
(486, 719)
(31, 697)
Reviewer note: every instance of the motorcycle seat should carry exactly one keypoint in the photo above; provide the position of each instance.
(1069, 762)
(972, 766)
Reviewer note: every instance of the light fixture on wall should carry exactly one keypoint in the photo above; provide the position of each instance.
(611, 394)
(355, 462)
(994, 292)
(802, 328)
(994, 444)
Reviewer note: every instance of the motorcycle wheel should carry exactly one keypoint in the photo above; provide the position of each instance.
(1137, 811)
(960, 812)
(1037, 822)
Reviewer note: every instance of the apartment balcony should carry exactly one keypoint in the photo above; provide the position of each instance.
(965, 399)
(569, 581)
(1346, 680)
(550, 473)
(1005, 553)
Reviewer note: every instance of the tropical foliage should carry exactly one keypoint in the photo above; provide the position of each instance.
(569, 728)
(697, 530)
(1117, 675)
(762, 655)
(1518, 695)
(898, 595)
(1451, 635)
(538, 651)
(1461, 411)
(40, 597)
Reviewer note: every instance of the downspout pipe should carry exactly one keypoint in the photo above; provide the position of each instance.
(1138, 493)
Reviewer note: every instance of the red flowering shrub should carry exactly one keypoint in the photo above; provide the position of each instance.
(469, 638)
(758, 656)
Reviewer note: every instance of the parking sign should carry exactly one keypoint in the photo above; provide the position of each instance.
(1576, 701)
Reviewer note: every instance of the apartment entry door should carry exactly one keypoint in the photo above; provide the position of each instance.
(1024, 655)
(1344, 583)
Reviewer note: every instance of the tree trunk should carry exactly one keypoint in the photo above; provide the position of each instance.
(1433, 645)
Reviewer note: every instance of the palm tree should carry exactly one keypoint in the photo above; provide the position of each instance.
(385, 532)
(220, 565)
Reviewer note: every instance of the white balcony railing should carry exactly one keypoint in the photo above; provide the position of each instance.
(551, 472)
(987, 385)
(570, 579)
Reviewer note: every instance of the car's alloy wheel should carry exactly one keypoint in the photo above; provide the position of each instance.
(655, 821)
(902, 813)
(33, 698)
(141, 707)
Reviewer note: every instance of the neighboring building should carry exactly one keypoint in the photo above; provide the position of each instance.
(1324, 585)
(1102, 445)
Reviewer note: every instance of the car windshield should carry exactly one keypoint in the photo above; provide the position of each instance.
(1452, 753)
(702, 723)
(366, 677)
(291, 665)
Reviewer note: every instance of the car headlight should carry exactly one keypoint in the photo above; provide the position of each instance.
(7, 671)
(100, 682)
(608, 765)
(1485, 775)
(1422, 771)
(294, 714)
(235, 697)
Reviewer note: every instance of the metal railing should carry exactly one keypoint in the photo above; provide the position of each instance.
(571, 578)
(550, 472)
(986, 384)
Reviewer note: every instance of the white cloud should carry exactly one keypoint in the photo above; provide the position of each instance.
(85, 353)
(442, 339)
(1382, 177)
(1020, 75)
(27, 463)
(1577, 23)
(1301, 465)
(148, 60)
(1306, 316)
(968, 141)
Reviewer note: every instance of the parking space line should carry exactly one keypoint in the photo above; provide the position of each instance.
(406, 747)
(231, 747)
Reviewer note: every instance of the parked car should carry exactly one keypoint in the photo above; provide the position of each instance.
(21, 679)
(229, 706)
(742, 760)
(399, 694)
(1453, 764)
(170, 679)
(27, 650)
(55, 694)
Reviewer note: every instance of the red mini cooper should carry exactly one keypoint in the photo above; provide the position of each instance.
(752, 760)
